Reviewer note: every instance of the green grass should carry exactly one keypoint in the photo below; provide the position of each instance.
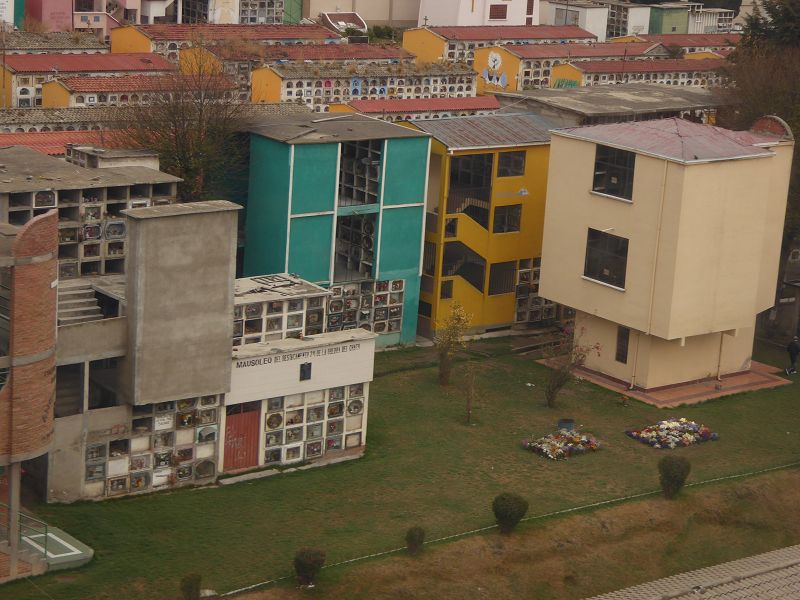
(423, 466)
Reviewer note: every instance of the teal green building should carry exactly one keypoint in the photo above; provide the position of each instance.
(672, 17)
(340, 201)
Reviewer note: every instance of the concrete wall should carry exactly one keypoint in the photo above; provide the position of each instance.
(94, 340)
(638, 20)
(181, 268)
(398, 13)
(593, 20)
(473, 12)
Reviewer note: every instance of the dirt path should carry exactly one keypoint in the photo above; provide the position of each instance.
(585, 554)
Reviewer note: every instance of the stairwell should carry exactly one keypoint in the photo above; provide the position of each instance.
(77, 304)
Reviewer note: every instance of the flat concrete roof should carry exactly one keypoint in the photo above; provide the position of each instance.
(299, 345)
(113, 152)
(267, 288)
(179, 210)
(319, 128)
(25, 170)
(622, 99)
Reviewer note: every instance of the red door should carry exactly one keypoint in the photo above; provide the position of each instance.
(241, 436)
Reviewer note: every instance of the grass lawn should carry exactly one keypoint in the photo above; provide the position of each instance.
(423, 466)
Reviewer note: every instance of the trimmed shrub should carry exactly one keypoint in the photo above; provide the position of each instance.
(415, 538)
(190, 586)
(508, 510)
(673, 471)
(307, 564)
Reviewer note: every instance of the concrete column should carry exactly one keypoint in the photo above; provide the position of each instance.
(15, 470)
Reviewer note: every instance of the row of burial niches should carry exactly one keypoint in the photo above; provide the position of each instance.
(360, 172)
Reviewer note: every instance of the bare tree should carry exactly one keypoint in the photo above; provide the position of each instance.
(449, 338)
(566, 356)
(194, 120)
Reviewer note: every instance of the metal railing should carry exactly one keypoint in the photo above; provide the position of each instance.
(471, 201)
(31, 529)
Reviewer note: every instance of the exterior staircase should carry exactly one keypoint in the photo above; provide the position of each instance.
(77, 303)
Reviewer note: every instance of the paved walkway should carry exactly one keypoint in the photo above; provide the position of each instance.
(759, 377)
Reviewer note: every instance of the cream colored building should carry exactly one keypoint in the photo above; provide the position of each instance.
(665, 237)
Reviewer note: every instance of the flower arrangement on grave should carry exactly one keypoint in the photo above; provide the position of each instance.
(673, 433)
(562, 444)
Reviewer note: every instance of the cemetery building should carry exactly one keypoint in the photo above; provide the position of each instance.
(665, 238)
(483, 223)
(410, 109)
(692, 42)
(705, 72)
(340, 200)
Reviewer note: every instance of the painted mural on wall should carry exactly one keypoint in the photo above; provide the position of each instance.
(492, 75)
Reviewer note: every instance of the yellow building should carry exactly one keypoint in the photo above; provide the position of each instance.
(665, 237)
(484, 216)
(669, 71)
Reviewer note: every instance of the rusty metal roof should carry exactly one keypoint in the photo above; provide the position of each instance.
(675, 139)
(489, 131)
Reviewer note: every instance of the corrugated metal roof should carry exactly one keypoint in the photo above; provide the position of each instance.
(665, 65)
(674, 139)
(513, 32)
(87, 63)
(691, 40)
(769, 576)
(144, 83)
(170, 31)
(317, 128)
(318, 52)
(405, 105)
(51, 142)
(488, 131)
(583, 50)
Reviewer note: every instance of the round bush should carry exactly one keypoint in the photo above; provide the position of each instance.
(415, 538)
(190, 586)
(673, 471)
(508, 510)
(307, 564)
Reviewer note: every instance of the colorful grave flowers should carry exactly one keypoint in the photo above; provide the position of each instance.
(673, 433)
(562, 444)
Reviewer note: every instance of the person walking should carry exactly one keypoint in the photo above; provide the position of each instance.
(794, 351)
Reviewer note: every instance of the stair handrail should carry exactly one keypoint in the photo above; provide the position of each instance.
(28, 524)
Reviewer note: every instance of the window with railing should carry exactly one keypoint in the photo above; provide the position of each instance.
(507, 218)
(501, 277)
(613, 172)
(606, 258)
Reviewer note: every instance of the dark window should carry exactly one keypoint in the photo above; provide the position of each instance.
(446, 291)
(498, 11)
(623, 336)
(305, 371)
(613, 172)
(511, 164)
(425, 309)
(507, 218)
(429, 258)
(606, 258)
(501, 277)
(530, 7)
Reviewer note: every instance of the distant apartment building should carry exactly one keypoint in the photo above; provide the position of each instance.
(458, 44)
(25, 74)
(169, 39)
(626, 18)
(711, 20)
(317, 85)
(340, 201)
(680, 71)
(478, 12)
(487, 182)
(409, 109)
(665, 237)
(590, 16)
(512, 68)
(238, 61)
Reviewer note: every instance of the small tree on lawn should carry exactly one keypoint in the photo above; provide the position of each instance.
(308, 562)
(673, 471)
(190, 586)
(567, 355)
(508, 510)
(449, 338)
(415, 538)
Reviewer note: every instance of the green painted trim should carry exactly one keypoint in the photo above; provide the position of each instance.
(358, 209)
(310, 247)
(406, 170)
(314, 178)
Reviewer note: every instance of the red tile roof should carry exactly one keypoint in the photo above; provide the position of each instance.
(580, 50)
(87, 63)
(50, 142)
(137, 83)
(409, 105)
(650, 66)
(687, 40)
(317, 52)
(513, 32)
(169, 32)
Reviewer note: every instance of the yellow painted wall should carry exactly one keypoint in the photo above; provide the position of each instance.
(701, 55)
(510, 66)
(265, 85)
(529, 190)
(341, 108)
(8, 79)
(426, 45)
(199, 60)
(565, 71)
(55, 95)
(129, 39)
(626, 38)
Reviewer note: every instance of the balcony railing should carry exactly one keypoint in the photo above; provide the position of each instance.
(471, 201)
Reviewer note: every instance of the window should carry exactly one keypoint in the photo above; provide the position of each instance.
(507, 218)
(425, 309)
(446, 291)
(498, 11)
(501, 277)
(429, 258)
(613, 172)
(305, 371)
(623, 336)
(511, 164)
(606, 258)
